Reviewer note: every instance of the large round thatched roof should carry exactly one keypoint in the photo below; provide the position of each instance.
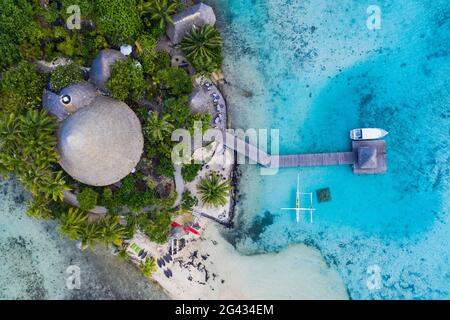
(102, 143)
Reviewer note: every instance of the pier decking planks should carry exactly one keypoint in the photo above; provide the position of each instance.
(314, 159)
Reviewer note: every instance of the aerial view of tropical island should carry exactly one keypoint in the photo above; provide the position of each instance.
(224, 150)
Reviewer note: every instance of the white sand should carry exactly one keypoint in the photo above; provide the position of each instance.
(297, 272)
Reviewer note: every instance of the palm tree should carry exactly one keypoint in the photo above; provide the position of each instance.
(88, 234)
(213, 191)
(148, 267)
(157, 128)
(71, 223)
(111, 231)
(158, 11)
(202, 43)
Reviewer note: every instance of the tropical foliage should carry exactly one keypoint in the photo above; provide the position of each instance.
(176, 81)
(28, 148)
(158, 12)
(87, 198)
(31, 31)
(155, 225)
(157, 128)
(65, 75)
(127, 79)
(112, 232)
(190, 171)
(203, 47)
(119, 20)
(188, 201)
(89, 234)
(71, 223)
(213, 191)
(148, 267)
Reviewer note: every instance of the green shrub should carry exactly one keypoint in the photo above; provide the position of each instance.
(119, 20)
(175, 80)
(190, 171)
(179, 111)
(156, 225)
(10, 54)
(127, 186)
(87, 199)
(17, 20)
(188, 201)
(148, 267)
(65, 75)
(127, 79)
(28, 148)
(21, 88)
(164, 167)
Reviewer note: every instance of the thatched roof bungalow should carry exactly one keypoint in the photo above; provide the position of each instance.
(102, 143)
(198, 15)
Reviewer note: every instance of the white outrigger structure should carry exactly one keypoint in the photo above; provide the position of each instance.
(299, 209)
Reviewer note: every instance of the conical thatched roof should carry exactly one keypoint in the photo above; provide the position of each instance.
(198, 15)
(101, 67)
(367, 157)
(102, 143)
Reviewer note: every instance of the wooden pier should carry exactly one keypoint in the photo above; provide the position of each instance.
(314, 159)
(366, 157)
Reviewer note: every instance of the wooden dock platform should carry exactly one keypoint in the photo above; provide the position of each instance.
(366, 157)
(314, 159)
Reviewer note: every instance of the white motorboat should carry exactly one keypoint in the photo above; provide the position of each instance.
(367, 133)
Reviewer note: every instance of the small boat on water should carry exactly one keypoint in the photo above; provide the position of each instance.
(298, 210)
(367, 133)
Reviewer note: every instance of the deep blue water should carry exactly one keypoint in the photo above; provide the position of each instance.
(314, 71)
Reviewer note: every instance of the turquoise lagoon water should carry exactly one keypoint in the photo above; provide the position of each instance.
(34, 260)
(313, 70)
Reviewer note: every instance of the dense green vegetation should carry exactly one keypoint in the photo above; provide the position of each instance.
(188, 201)
(203, 48)
(190, 171)
(213, 191)
(127, 80)
(65, 75)
(148, 267)
(158, 12)
(87, 198)
(29, 32)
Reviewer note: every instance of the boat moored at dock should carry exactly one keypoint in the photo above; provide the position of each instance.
(367, 134)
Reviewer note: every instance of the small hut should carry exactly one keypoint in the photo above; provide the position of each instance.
(367, 157)
(198, 15)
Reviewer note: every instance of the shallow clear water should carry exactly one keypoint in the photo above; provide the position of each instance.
(34, 260)
(315, 71)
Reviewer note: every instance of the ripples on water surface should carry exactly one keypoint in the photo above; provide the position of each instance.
(313, 70)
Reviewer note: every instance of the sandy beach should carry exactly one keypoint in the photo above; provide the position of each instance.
(210, 268)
